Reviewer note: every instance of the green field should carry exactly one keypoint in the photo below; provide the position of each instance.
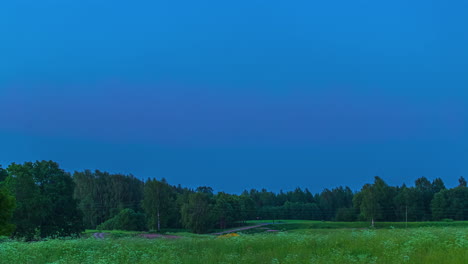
(297, 242)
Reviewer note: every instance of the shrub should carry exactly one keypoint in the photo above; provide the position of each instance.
(127, 219)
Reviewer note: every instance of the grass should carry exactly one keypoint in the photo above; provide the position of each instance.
(311, 224)
(309, 245)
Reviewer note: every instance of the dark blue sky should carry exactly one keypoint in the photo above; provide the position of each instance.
(238, 94)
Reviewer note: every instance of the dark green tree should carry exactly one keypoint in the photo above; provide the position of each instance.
(45, 203)
(3, 174)
(462, 182)
(437, 185)
(197, 214)
(247, 210)
(331, 200)
(103, 195)
(451, 204)
(440, 205)
(375, 201)
(158, 203)
(7, 207)
(225, 209)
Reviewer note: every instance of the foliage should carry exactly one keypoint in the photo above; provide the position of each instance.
(196, 213)
(374, 200)
(7, 207)
(127, 219)
(3, 175)
(46, 208)
(103, 195)
(452, 204)
(345, 214)
(462, 182)
(331, 200)
(44, 198)
(159, 203)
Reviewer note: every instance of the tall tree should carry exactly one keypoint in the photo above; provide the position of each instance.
(7, 207)
(332, 200)
(225, 209)
(84, 192)
(247, 208)
(29, 213)
(45, 203)
(196, 213)
(103, 195)
(3, 174)
(375, 201)
(437, 185)
(158, 202)
(451, 204)
(462, 182)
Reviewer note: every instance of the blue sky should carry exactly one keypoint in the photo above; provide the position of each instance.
(238, 94)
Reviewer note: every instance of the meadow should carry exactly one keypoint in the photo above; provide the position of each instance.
(295, 242)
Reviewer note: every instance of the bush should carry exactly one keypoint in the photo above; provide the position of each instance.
(127, 219)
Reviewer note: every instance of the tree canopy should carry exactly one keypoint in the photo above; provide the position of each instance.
(39, 199)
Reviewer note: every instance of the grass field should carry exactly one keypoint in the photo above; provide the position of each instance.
(299, 242)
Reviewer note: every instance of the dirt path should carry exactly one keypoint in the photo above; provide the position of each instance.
(151, 236)
(240, 229)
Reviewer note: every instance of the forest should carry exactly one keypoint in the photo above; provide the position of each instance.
(39, 199)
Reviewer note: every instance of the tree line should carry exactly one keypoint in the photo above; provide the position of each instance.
(39, 199)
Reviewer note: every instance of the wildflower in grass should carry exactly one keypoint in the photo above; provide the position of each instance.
(229, 235)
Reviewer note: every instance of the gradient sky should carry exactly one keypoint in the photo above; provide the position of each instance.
(238, 94)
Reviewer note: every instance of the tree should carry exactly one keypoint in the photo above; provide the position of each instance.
(225, 209)
(401, 201)
(298, 196)
(452, 204)
(331, 200)
(85, 185)
(158, 203)
(103, 195)
(45, 203)
(196, 213)
(205, 190)
(375, 201)
(3, 174)
(425, 192)
(247, 208)
(7, 207)
(439, 205)
(28, 214)
(365, 201)
(327, 204)
(462, 182)
(437, 185)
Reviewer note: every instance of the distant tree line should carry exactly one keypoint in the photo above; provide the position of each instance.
(41, 200)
